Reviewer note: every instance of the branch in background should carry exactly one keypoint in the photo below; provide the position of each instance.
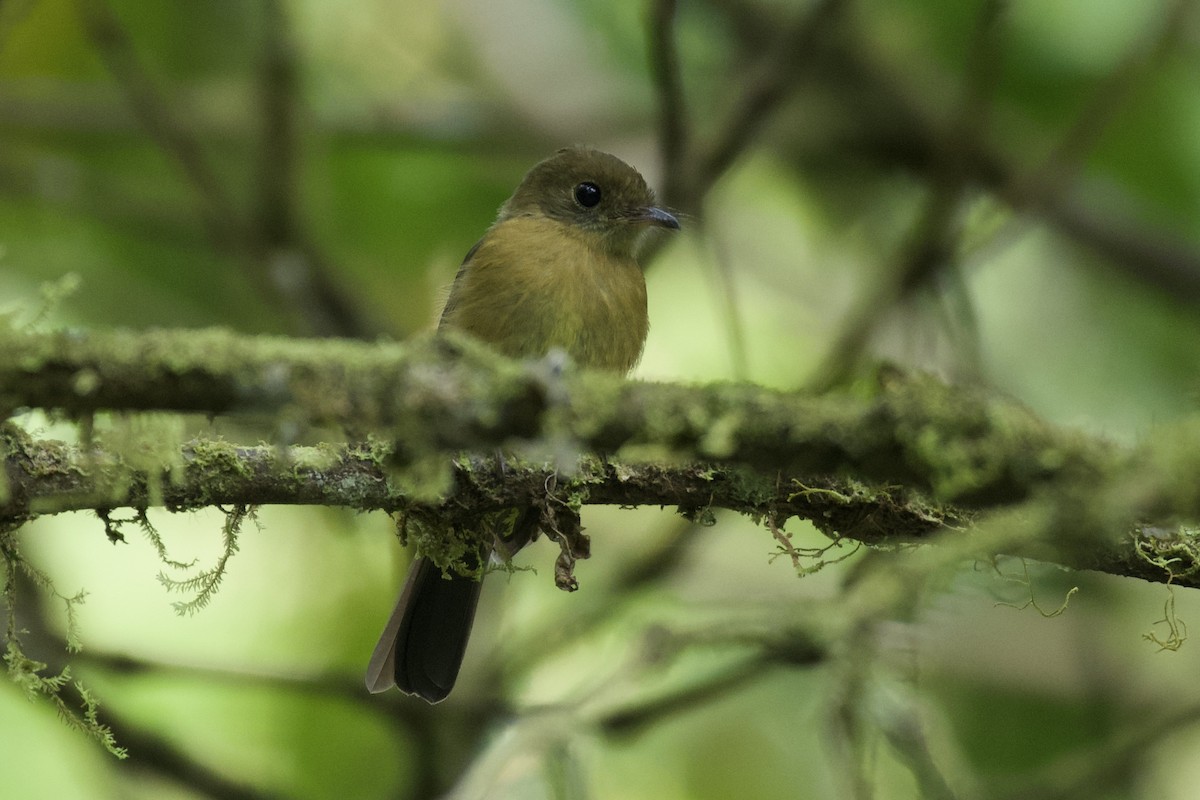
(1073, 775)
(278, 167)
(884, 124)
(292, 265)
(541, 640)
(167, 759)
(1055, 176)
(690, 173)
(285, 264)
(150, 750)
(643, 714)
(774, 79)
(922, 254)
(673, 123)
(674, 144)
(1155, 257)
(152, 110)
(690, 169)
(931, 242)
(1148, 253)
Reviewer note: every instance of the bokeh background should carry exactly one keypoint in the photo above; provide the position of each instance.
(1007, 193)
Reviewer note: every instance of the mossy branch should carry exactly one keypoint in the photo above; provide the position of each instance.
(897, 460)
(448, 394)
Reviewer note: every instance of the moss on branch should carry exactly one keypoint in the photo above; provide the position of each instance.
(447, 394)
(896, 460)
(51, 477)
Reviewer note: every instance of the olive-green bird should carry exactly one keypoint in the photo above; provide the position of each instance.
(558, 269)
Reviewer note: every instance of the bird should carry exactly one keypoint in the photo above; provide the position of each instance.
(557, 270)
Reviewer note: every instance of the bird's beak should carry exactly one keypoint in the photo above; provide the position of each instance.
(653, 215)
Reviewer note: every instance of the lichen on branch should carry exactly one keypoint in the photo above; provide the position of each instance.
(896, 459)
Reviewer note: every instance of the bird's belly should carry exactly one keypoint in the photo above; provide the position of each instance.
(599, 320)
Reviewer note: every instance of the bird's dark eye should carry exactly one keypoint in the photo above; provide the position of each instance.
(587, 194)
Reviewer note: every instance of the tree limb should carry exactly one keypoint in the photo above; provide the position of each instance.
(448, 394)
(906, 460)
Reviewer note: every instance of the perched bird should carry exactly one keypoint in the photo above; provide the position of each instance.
(558, 269)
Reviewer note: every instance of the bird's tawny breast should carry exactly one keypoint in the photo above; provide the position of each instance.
(534, 284)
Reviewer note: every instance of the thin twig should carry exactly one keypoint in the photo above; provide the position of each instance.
(636, 718)
(773, 81)
(911, 139)
(930, 245)
(673, 124)
(926, 249)
(538, 643)
(277, 153)
(730, 310)
(290, 265)
(152, 109)
(1054, 176)
(1095, 773)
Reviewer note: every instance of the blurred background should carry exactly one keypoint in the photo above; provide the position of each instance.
(1007, 193)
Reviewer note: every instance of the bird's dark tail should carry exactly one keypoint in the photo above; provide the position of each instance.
(422, 647)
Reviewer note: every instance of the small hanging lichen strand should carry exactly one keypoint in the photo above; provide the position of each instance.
(28, 673)
(205, 583)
